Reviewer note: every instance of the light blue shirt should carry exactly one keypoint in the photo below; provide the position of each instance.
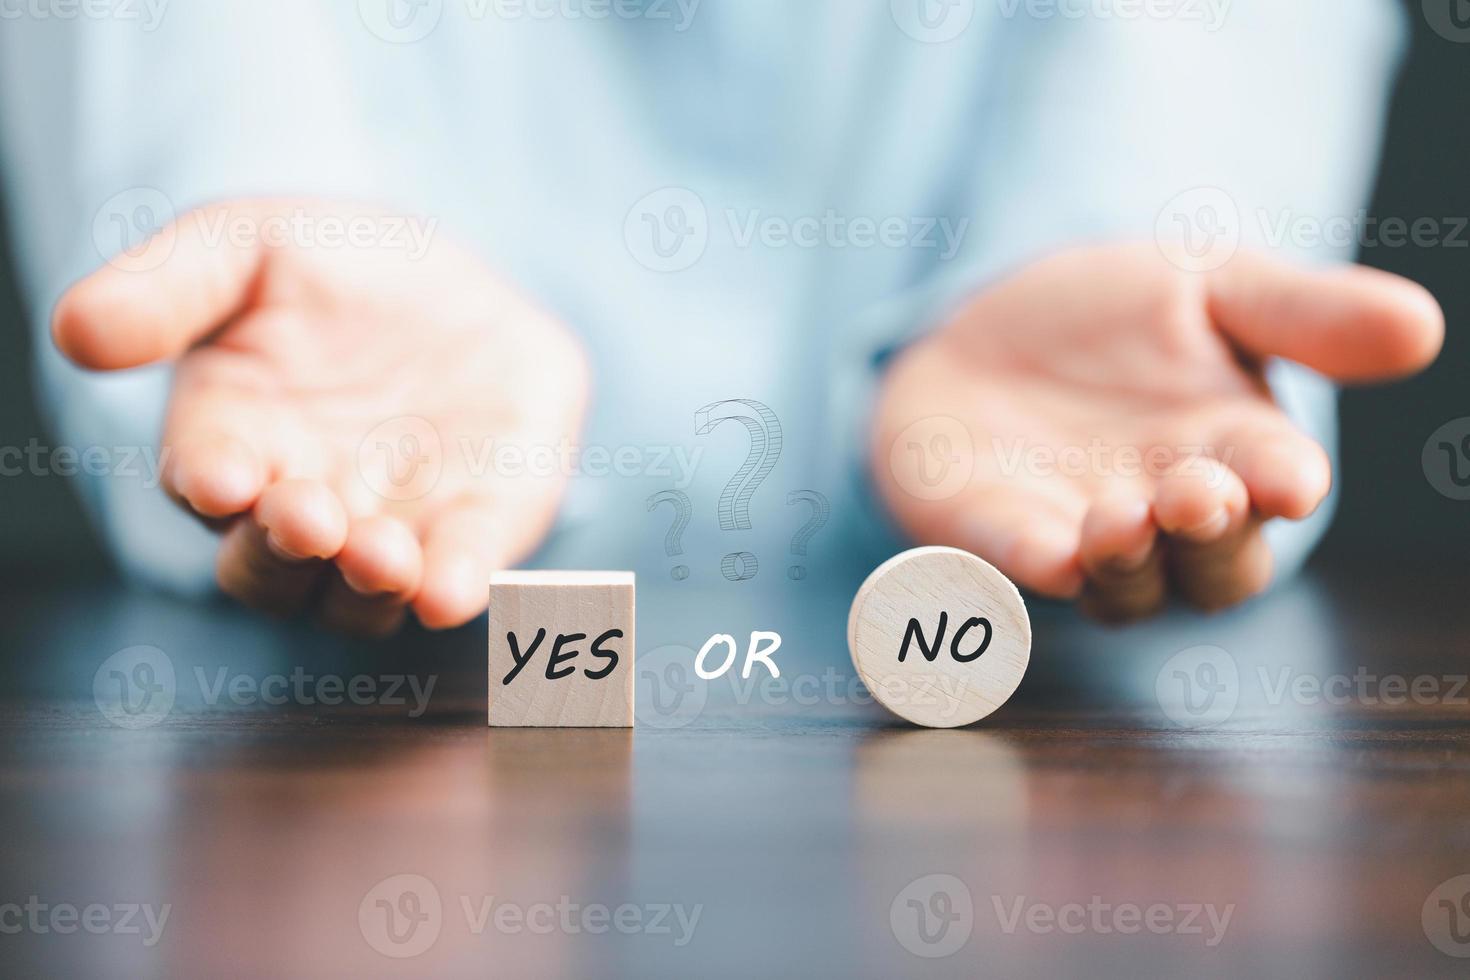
(727, 199)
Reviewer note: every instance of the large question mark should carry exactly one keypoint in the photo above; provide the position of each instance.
(821, 511)
(765, 449)
(682, 511)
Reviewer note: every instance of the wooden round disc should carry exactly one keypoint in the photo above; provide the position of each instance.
(939, 636)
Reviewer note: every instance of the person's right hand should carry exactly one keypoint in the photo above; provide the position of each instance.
(337, 412)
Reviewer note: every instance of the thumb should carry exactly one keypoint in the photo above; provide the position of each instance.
(1350, 323)
(157, 303)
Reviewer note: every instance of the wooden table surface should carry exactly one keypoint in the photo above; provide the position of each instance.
(1309, 821)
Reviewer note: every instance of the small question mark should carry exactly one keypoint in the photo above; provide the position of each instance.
(682, 512)
(821, 511)
(765, 450)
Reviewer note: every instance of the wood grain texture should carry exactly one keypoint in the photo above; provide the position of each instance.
(574, 635)
(939, 637)
(1328, 825)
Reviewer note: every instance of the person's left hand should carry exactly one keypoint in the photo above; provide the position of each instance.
(1153, 379)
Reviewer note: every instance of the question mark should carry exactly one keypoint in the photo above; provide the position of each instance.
(765, 449)
(821, 511)
(682, 511)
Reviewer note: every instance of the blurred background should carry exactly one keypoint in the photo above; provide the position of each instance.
(1388, 506)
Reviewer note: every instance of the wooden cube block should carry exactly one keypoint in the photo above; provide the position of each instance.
(561, 649)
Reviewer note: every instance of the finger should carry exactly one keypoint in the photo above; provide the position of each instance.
(302, 519)
(347, 610)
(378, 573)
(1122, 560)
(251, 571)
(1286, 472)
(120, 317)
(1200, 500)
(461, 548)
(1032, 539)
(1350, 323)
(223, 447)
(214, 475)
(274, 559)
(1224, 572)
(382, 557)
